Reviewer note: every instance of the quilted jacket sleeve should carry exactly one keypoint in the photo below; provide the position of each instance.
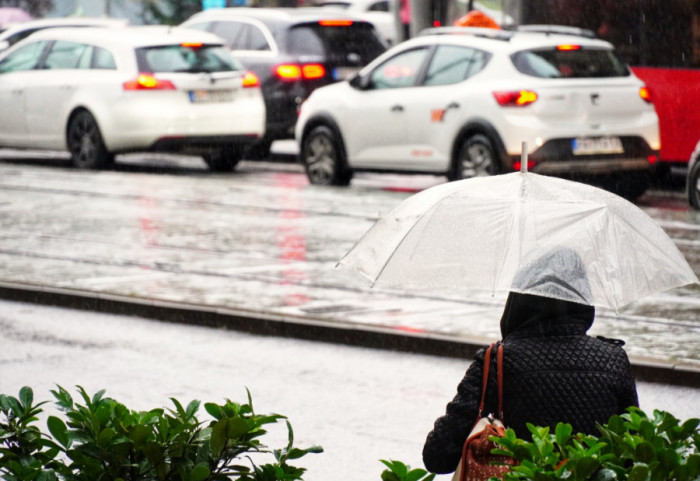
(443, 446)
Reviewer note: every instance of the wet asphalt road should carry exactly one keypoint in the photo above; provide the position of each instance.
(262, 238)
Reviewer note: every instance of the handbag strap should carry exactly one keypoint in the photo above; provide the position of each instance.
(499, 374)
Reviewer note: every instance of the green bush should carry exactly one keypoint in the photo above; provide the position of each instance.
(631, 447)
(103, 440)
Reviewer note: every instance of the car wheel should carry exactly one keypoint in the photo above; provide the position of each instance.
(631, 185)
(475, 158)
(693, 186)
(85, 143)
(323, 158)
(224, 159)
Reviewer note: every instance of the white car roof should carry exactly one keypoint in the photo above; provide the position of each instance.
(63, 22)
(294, 14)
(503, 40)
(135, 36)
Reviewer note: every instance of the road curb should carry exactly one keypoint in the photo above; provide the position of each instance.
(298, 327)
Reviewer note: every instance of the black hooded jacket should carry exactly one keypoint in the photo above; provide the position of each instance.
(552, 372)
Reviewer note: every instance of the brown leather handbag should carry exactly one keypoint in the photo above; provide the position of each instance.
(477, 462)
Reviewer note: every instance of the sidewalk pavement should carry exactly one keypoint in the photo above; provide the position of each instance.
(313, 327)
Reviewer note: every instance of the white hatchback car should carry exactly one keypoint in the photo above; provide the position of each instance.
(460, 102)
(98, 92)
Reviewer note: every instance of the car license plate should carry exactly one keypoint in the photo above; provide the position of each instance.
(341, 73)
(596, 145)
(198, 96)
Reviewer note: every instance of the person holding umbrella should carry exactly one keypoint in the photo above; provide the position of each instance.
(552, 370)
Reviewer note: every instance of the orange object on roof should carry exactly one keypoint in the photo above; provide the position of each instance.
(475, 18)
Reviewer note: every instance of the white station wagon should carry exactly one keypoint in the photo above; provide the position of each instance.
(97, 92)
(461, 101)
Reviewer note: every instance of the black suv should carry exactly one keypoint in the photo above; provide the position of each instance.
(292, 51)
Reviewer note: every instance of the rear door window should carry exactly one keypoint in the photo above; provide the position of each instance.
(68, 55)
(570, 62)
(185, 58)
(354, 44)
(452, 64)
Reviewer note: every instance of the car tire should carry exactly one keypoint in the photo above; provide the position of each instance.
(630, 185)
(323, 158)
(693, 186)
(224, 159)
(476, 157)
(85, 143)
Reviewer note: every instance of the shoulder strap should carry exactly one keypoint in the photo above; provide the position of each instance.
(485, 379)
(499, 372)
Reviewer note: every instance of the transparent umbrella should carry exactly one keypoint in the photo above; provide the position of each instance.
(485, 232)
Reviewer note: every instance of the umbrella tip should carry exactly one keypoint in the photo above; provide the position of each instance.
(523, 158)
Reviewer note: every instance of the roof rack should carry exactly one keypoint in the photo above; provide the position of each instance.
(553, 29)
(493, 33)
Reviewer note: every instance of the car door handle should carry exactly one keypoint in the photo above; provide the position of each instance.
(453, 105)
(397, 108)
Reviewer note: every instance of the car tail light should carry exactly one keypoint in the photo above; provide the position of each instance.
(645, 94)
(568, 47)
(335, 23)
(250, 80)
(515, 98)
(293, 72)
(517, 164)
(652, 159)
(146, 81)
(312, 71)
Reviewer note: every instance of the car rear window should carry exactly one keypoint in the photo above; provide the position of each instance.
(185, 58)
(337, 43)
(570, 62)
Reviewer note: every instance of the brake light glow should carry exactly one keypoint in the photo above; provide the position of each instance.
(568, 47)
(192, 44)
(250, 80)
(652, 159)
(146, 81)
(645, 94)
(436, 23)
(517, 164)
(312, 71)
(293, 72)
(335, 23)
(516, 98)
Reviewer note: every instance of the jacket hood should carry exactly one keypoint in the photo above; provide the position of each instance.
(557, 297)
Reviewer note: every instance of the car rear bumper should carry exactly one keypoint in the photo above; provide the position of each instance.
(556, 157)
(200, 144)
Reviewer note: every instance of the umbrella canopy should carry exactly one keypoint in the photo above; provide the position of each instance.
(508, 233)
(13, 15)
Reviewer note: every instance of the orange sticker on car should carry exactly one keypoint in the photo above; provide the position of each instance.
(436, 115)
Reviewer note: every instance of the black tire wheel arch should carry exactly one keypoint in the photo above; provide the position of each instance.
(85, 143)
(223, 159)
(475, 156)
(324, 158)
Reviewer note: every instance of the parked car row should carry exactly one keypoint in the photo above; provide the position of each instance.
(457, 102)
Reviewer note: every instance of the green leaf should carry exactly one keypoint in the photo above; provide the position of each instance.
(585, 467)
(200, 472)
(415, 474)
(563, 433)
(639, 472)
(26, 397)
(58, 430)
(214, 410)
(218, 437)
(644, 452)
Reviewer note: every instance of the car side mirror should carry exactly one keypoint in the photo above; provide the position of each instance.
(359, 82)
(4, 45)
